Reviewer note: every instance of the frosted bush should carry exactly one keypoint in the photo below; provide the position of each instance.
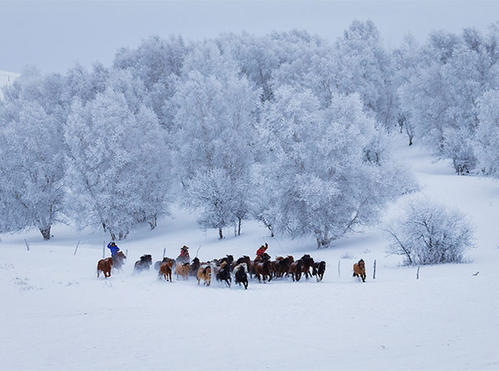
(429, 233)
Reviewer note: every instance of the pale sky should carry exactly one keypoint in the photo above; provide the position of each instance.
(54, 35)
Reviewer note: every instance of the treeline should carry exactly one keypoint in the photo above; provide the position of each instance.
(288, 129)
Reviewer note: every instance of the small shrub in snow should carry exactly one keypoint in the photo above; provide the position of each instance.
(429, 233)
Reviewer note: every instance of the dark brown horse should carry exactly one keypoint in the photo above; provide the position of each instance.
(119, 260)
(283, 265)
(295, 269)
(241, 274)
(193, 269)
(144, 263)
(318, 270)
(307, 263)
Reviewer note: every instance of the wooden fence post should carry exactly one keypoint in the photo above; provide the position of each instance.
(164, 252)
(374, 270)
(27, 244)
(417, 273)
(339, 261)
(76, 248)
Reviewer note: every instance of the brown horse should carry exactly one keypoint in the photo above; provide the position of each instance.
(105, 266)
(165, 269)
(359, 270)
(204, 273)
(182, 269)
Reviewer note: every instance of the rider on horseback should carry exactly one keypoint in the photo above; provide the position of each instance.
(184, 255)
(261, 250)
(113, 247)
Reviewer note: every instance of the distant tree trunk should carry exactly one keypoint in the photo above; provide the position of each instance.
(269, 226)
(220, 234)
(104, 226)
(239, 221)
(323, 239)
(153, 222)
(113, 236)
(45, 233)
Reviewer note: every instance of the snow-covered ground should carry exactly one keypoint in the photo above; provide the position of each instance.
(56, 315)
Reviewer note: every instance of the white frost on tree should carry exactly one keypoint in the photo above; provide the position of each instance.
(118, 165)
(32, 153)
(487, 146)
(214, 130)
(429, 233)
(323, 167)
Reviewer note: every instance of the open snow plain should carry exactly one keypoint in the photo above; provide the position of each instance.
(56, 315)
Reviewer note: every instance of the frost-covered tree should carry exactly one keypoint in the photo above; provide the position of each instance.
(406, 60)
(442, 93)
(214, 129)
(364, 67)
(487, 137)
(32, 153)
(324, 166)
(213, 191)
(157, 63)
(118, 164)
(429, 233)
(84, 85)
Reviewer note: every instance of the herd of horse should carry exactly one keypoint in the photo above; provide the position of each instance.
(262, 268)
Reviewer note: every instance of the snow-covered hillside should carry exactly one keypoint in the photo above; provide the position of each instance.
(55, 313)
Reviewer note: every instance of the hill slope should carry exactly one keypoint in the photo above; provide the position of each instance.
(54, 306)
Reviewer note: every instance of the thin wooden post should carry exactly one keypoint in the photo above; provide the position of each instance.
(374, 270)
(164, 252)
(417, 273)
(76, 248)
(339, 261)
(27, 244)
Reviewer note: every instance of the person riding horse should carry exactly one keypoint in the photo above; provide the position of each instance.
(113, 247)
(261, 250)
(184, 255)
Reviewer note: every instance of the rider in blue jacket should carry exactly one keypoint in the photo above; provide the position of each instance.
(113, 247)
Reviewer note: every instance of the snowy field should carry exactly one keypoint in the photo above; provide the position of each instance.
(56, 315)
